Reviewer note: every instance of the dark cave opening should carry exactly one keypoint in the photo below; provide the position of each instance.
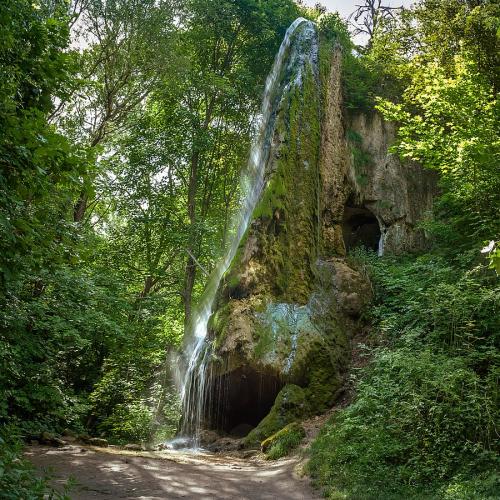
(360, 228)
(240, 399)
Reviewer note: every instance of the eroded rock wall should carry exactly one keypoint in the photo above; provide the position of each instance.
(400, 195)
(359, 172)
(334, 161)
(290, 302)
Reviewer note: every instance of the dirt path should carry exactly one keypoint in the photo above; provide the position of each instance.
(110, 474)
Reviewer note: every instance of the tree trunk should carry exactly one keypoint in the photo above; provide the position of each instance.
(80, 207)
(190, 272)
(189, 278)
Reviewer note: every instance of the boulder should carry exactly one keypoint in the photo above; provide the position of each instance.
(102, 443)
(290, 406)
(84, 438)
(133, 447)
(226, 444)
(351, 288)
(208, 437)
(49, 439)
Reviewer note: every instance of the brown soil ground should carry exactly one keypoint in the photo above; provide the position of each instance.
(109, 473)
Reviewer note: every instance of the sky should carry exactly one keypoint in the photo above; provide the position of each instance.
(345, 7)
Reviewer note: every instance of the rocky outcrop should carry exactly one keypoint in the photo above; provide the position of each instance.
(364, 188)
(289, 303)
(279, 338)
(400, 195)
(334, 162)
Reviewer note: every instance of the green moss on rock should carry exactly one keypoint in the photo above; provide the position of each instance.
(219, 322)
(276, 310)
(290, 406)
(324, 378)
(283, 442)
(288, 210)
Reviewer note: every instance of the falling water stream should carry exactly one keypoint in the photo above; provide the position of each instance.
(193, 390)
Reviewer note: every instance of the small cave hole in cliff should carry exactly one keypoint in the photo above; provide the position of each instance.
(240, 399)
(360, 228)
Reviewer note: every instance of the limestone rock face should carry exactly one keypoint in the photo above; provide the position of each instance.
(334, 162)
(289, 303)
(400, 195)
(364, 186)
(351, 289)
(277, 329)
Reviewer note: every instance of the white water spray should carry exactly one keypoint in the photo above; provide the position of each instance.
(193, 390)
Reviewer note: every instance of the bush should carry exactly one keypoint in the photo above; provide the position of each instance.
(17, 477)
(424, 422)
(419, 418)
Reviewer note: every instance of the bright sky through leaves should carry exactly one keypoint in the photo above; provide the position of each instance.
(345, 7)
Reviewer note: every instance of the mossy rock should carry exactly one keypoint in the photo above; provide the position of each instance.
(219, 322)
(322, 366)
(290, 406)
(284, 231)
(283, 442)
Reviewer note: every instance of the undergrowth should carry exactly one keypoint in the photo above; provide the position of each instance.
(424, 423)
(18, 479)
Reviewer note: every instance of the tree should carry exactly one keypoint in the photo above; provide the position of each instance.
(230, 47)
(369, 16)
(124, 48)
(450, 125)
(442, 28)
(38, 166)
(448, 112)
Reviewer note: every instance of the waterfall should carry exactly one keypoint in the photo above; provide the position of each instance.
(193, 390)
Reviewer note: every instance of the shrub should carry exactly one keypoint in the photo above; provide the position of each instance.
(17, 477)
(424, 423)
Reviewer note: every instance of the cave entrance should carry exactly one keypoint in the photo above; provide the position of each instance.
(239, 400)
(360, 228)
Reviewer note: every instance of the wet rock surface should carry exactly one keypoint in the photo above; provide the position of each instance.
(290, 302)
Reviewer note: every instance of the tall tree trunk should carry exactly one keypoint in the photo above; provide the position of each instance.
(80, 207)
(189, 278)
(190, 271)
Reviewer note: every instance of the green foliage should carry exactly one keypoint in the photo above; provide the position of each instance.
(361, 159)
(357, 78)
(135, 401)
(38, 167)
(52, 344)
(424, 422)
(95, 223)
(284, 441)
(129, 423)
(17, 476)
(444, 27)
(493, 252)
(39, 172)
(450, 124)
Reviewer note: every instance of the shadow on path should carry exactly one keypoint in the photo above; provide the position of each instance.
(109, 475)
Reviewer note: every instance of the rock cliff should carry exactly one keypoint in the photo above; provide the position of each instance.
(368, 196)
(290, 303)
